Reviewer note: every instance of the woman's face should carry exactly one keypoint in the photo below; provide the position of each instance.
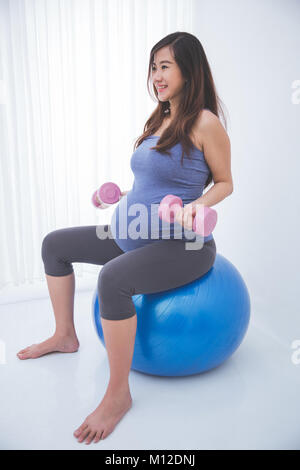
(166, 73)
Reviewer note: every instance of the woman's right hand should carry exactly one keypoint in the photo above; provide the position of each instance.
(101, 204)
(105, 206)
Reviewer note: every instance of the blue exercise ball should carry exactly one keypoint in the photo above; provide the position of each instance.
(192, 328)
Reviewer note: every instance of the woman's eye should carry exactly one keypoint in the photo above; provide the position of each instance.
(153, 68)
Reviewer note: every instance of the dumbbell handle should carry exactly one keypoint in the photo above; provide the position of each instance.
(204, 221)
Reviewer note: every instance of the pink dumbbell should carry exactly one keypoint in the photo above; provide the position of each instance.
(204, 221)
(109, 193)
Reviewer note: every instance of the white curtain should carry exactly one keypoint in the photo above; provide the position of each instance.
(73, 99)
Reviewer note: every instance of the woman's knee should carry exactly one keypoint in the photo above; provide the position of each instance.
(52, 248)
(114, 294)
(106, 281)
(51, 242)
(48, 244)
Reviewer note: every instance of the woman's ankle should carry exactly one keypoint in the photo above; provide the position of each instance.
(62, 333)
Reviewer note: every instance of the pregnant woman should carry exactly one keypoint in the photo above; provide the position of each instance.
(184, 147)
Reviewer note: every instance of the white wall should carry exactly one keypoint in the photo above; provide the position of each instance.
(253, 49)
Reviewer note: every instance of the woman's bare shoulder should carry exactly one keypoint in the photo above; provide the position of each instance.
(205, 117)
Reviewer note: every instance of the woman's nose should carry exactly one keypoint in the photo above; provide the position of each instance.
(157, 77)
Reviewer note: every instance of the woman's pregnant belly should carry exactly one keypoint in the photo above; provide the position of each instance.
(135, 222)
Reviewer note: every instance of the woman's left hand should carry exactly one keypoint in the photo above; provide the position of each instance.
(185, 215)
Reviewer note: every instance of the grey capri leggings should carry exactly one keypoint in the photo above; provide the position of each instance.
(159, 266)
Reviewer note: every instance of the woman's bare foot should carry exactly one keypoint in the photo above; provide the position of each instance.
(66, 344)
(99, 424)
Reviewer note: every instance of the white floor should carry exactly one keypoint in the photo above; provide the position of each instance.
(249, 402)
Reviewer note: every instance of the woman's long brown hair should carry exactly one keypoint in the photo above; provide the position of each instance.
(199, 92)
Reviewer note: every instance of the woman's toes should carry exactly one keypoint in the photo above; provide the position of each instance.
(84, 434)
(23, 351)
(90, 437)
(24, 354)
(106, 433)
(79, 430)
(98, 436)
